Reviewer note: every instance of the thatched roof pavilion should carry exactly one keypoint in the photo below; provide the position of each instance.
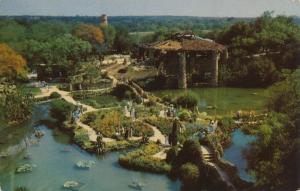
(186, 51)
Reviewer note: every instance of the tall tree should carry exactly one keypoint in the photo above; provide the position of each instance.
(90, 33)
(12, 65)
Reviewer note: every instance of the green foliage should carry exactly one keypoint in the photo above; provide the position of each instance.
(109, 35)
(142, 160)
(173, 136)
(120, 145)
(258, 50)
(163, 124)
(122, 42)
(189, 175)
(81, 136)
(15, 105)
(285, 96)
(254, 72)
(191, 152)
(61, 110)
(110, 122)
(171, 155)
(187, 101)
(122, 91)
(60, 55)
(54, 95)
(88, 118)
(274, 156)
(184, 115)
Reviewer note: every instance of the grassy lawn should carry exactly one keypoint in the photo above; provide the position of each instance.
(102, 101)
(33, 90)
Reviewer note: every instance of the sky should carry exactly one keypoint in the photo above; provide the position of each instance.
(216, 8)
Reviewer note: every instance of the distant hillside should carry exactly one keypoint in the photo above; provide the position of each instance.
(146, 23)
(142, 23)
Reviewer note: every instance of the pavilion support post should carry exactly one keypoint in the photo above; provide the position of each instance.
(161, 67)
(70, 87)
(182, 81)
(215, 68)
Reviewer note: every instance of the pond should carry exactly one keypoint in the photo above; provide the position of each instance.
(226, 100)
(234, 154)
(54, 165)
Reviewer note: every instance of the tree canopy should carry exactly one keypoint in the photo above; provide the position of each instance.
(89, 33)
(12, 65)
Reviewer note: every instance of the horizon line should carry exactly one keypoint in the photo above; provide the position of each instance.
(36, 15)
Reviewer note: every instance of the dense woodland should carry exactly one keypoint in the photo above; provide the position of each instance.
(262, 52)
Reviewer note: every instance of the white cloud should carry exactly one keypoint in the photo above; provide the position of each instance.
(296, 1)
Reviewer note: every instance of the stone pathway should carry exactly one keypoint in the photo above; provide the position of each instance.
(66, 96)
(208, 158)
(157, 134)
(161, 155)
(91, 132)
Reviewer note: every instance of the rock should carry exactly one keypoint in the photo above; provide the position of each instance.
(24, 168)
(72, 185)
(211, 107)
(39, 134)
(85, 164)
(136, 185)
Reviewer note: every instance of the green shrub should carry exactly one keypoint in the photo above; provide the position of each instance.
(81, 137)
(187, 101)
(142, 160)
(189, 174)
(61, 110)
(163, 124)
(120, 145)
(185, 115)
(140, 129)
(150, 103)
(122, 91)
(89, 117)
(167, 99)
(171, 155)
(54, 95)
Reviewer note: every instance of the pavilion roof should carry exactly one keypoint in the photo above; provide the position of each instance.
(186, 42)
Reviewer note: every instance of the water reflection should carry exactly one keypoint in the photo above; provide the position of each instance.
(55, 166)
(234, 154)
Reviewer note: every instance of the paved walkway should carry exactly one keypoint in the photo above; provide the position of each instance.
(161, 155)
(157, 134)
(91, 132)
(66, 96)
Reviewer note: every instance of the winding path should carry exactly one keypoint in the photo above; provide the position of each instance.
(45, 92)
(66, 96)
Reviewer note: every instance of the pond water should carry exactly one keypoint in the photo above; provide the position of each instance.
(54, 167)
(234, 154)
(226, 100)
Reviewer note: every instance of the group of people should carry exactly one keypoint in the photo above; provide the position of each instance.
(129, 111)
(77, 112)
(169, 112)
